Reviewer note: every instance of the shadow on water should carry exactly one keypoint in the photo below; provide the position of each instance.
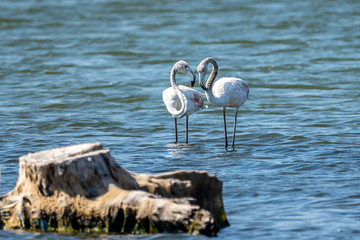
(181, 150)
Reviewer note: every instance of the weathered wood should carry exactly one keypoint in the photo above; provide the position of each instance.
(82, 188)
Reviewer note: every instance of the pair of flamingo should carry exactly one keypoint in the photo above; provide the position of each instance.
(183, 101)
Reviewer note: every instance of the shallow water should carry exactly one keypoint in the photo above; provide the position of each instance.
(93, 71)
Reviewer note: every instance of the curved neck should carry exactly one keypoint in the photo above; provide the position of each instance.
(172, 78)
(213, 74)
(210, 82)
(180, 94)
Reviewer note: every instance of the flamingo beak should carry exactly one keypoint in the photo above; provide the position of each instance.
(192, 76)
(201, 80)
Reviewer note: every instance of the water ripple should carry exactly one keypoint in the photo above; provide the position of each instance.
(94, 72)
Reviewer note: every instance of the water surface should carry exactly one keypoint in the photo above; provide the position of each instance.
(93, 71)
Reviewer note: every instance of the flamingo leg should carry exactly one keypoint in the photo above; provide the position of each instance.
(226, 141)
(233, 138)
(187, 128)
(176, 133)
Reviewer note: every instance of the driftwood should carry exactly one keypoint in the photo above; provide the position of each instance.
(82, 188)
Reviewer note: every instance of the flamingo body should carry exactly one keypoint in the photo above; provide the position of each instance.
(172, 101)
(225, 92)
(229, 92)
(180, 100)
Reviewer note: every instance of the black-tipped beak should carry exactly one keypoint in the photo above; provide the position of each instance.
(202, 86)
(202, 82)
(193, 79)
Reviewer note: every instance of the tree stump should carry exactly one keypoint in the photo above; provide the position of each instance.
(82, 188)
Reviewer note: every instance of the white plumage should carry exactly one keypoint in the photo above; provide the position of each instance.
(225, 92)
(180, 100)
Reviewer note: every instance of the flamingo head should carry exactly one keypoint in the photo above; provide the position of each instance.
(202, 69)
(184, 67)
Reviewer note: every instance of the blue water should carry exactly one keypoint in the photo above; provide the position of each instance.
(93, 71)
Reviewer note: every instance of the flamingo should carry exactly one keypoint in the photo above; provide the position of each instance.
(225, 92)
(180, 100)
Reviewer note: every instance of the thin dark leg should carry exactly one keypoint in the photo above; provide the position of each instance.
(233, 138)
(226, 141)
(187, 128)
(176, 135)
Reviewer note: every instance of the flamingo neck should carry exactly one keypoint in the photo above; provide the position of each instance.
(210, 82)
(179, 93)
(213, 74)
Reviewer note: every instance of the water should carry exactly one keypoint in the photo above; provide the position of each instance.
(93, 71)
